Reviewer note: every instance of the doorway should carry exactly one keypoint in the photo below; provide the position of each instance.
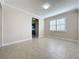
(35, 28)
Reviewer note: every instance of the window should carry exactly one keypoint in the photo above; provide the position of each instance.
(53, 25)
(58, 25)
(61, 26)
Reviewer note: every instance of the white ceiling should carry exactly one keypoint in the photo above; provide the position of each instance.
(35, 6)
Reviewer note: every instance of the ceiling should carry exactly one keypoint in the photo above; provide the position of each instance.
(35, 6)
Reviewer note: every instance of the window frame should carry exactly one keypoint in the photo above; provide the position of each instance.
(59, 25)
(51, 25)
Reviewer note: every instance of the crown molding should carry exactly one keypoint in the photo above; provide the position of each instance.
(3, 3)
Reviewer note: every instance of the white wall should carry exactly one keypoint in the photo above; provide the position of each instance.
(78, 24)
(71, 26)
(0, 26)
(41, 28)
(17, 25)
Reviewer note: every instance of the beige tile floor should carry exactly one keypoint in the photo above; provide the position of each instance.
(41, 49)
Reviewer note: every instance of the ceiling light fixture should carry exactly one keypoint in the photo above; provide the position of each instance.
(46, 5)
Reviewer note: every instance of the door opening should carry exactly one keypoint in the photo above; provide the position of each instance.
(35, 28)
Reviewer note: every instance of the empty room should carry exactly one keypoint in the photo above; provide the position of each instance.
(39, 29)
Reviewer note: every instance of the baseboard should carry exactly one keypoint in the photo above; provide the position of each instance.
(67, 39)
(15, 42)
(11, 43)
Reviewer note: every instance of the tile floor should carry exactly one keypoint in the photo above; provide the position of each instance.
(41, 49)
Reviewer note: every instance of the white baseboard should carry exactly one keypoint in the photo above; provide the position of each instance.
(15, 42)
(73, 40)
